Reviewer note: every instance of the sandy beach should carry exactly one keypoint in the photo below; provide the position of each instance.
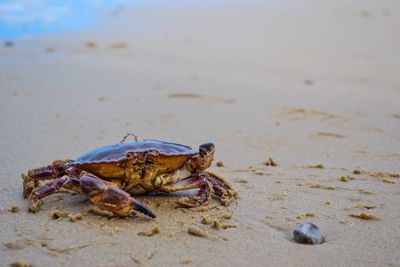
(313, 85)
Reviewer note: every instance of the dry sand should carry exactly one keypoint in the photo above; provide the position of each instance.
(303, 82)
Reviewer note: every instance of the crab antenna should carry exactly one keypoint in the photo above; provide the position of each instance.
(127, 135)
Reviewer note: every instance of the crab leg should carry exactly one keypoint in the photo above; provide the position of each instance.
(221, 188)
(195, 181)
(52, 171)
(111, 198)
(51, 188)
(208, 183)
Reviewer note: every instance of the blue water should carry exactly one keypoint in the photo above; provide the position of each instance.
(20, 18)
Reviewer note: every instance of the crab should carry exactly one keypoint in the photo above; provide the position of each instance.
(110, 175)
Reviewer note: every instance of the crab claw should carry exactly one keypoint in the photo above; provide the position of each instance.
(140, 207)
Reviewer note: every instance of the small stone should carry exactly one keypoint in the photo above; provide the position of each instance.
(220, 163)
(308, 233)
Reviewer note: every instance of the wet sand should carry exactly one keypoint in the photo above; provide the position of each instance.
(313, 86)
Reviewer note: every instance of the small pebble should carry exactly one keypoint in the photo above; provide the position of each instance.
(14, 208)
(270, 162)
(308, 233)
(220, 163)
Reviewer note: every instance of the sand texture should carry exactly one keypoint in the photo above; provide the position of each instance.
(312, 86)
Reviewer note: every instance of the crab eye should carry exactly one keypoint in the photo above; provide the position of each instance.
(206, 148)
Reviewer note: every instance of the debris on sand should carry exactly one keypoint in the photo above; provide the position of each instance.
(135, 259)
(74, 217)
(220, 163)
(277, 196)
(216, 221)
(320, 186)
(307, 214)
(226, 215)
(67, 250)
(253, 170)
(365, 216)
(308, 233)
(187, 261)
(196, 231)
(241, 181)
(14, 245)
(20, 263)
(366, 192)
(91, 44)
(380, 174)
(365, 206)
(316, 166)
(184, 95)
(203, 208)
(118, 45)
(14, 208)
(154, 230)
(326, 134)
(388, 181)
(357, 171)
(102, 99)
(270, 162)
(346, 178)
(217, 224)
(58, 214)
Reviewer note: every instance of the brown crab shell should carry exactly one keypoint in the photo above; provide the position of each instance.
(110, 161)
